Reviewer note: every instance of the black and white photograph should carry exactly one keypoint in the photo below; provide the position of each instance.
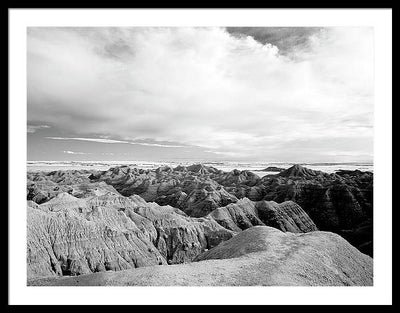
(201, 156)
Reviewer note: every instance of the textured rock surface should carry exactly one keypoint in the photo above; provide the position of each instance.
(340, 202)
(333, 201)
(41, 187)
(75, 236)
(286, 216)
(77, 239)
(188, 188)
(258, 256)
(180, 238)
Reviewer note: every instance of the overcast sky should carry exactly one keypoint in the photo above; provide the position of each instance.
(245, 94)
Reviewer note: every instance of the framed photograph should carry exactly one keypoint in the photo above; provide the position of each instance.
(209, 156)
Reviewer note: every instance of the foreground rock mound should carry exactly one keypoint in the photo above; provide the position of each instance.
(258, 256)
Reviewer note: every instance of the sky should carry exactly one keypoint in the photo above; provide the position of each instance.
(272, 94)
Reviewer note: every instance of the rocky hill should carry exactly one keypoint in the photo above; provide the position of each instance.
(286, 216)
(75, 236)
(258, 256)
(340, 202)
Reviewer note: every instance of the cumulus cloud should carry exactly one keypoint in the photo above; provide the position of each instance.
(206, 87)
(287, 39)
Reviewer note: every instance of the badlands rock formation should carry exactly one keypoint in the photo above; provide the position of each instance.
(258, 256)
(340, 202)
(286, 216)
(83, 222)
(188, 188)
(75, 236)
(41, 187)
